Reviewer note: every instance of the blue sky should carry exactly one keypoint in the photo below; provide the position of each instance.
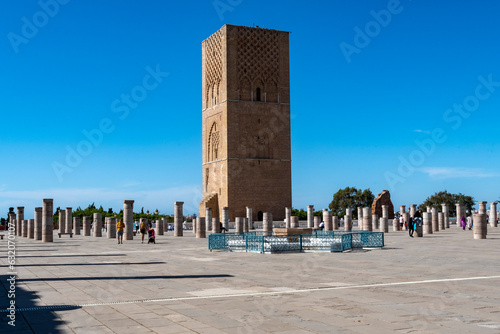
(403, 96)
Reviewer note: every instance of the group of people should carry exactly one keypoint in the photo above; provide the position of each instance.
(142, 227)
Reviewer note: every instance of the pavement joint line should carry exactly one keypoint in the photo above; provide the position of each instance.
(251, 294)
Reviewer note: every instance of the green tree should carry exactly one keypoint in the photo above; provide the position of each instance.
(302, 214)
(441, 197)
(350, 197)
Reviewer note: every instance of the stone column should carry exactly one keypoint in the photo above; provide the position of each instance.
(413, 210)
(327, 219)
(402, 209)
(87, 221)
(459, 214)
(31, 229)
(201, 229)
(20, 218)
(348, 223)
(159, 227)
(111, 227)
(427, 220)
(62, 221)
(38, 223)
(225, 217)
(178, 219)
(395, 225)
(310, 216)
(441, 220)
(238, 224)
(245, 225)
(69, 220)
(128, 219)
(480, 226)
(435, 220)
(97, 224)
(208, 220)
(24, 228)
(482, 207)
(348, 212)
(267, 224)
(385, 211)
(77, 225)
(360, 218)
(429, 209)
(215, 225)
(48, 220)
(294, 221)
(250, 218)
(335, 222)
(193, 221)
(317, 221)
(493, 214)
(384, 225)
(375, 222)
(288, 214)
(367, 221)
(446, 215)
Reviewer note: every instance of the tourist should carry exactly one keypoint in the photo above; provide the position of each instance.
(119, 231)
(401, 222)
(463, 222)
(411, 228)
(143, 231)
(469, 222)
(321, 225)
(222, 228)
(136, 226)
(184, 225)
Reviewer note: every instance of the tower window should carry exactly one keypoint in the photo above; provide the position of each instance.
(258, 94)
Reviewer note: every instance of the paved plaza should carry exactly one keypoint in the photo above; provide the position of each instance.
(442, 283)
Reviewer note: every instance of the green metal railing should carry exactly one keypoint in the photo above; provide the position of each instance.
(266, 242)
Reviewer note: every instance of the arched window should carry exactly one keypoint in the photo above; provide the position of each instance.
(213, 143)
(258, 94)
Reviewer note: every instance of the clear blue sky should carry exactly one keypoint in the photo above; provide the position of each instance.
(364, 94)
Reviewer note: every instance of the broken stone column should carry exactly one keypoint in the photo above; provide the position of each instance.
(327, 219)
(31, 229)
(208, 220)
(480, 226)
(395, 225)
(288, 214)
(111, 227)
(128, 219)
(68, 221)
(178, 219)
(384, 225)
(225, 217)
(201, 229)
(402, 209)
(427, 219)
(62, 221)
(367, 219)
(294, 222)
(193, 221)
(310, 216)
(20, 218)
(413, 210)
(215, 225)
(360, 218)
(24, 227)
(97, 224)
(375, 222)
(446, 215)
(238, 224)
(77, 225)
(87, 222)
(385, 211)
(159, 226)
(250, 218)
(459, 214)
(482, 207)
(245, 225)
(435, 220)
(317, 221)
(493, 214)
(441, 221)
(48, 220)
(429, 209)
(335, 222)
(268, 222)
(38, 223)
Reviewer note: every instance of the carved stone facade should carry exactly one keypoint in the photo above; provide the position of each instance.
(246, 122)
(384, 198)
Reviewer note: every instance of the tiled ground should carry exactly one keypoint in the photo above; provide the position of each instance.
(442, 283)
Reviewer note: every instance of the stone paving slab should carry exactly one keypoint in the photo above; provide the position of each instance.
(178, 286)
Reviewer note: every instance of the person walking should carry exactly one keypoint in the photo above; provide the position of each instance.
(119, 231)
(143, 231)
(463, 222)
(411, 228)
